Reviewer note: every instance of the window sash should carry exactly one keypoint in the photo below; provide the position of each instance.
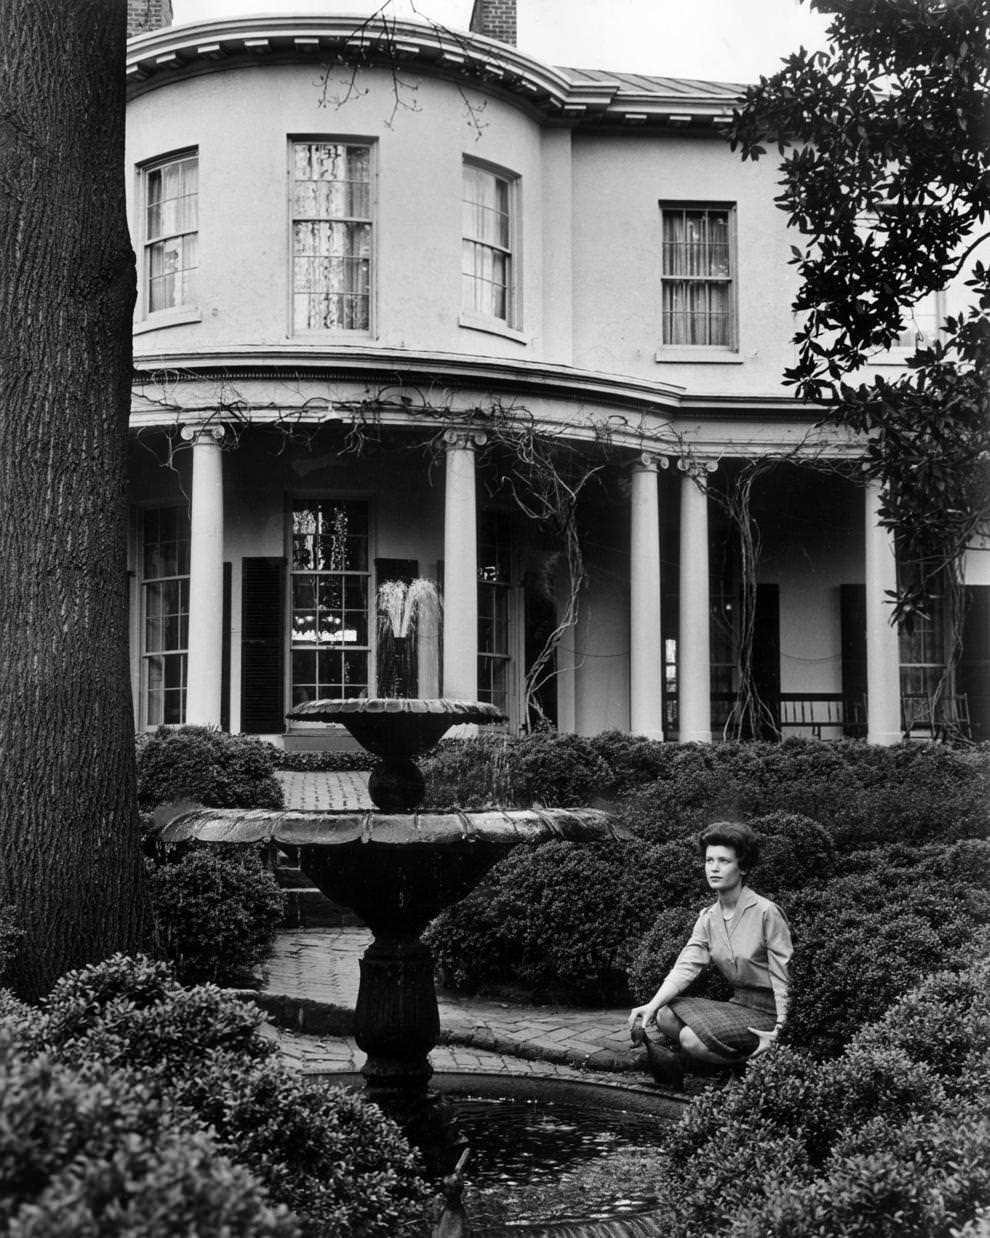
(329, 600)
(486, 249)
(696, 277)
(165, 615)
(171, 242)
(331, 236)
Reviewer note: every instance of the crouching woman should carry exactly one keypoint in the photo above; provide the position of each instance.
(748, 939)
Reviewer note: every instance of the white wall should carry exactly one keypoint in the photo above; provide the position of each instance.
(619, 179)
(241, 121)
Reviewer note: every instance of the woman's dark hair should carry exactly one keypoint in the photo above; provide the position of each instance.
(732, 834)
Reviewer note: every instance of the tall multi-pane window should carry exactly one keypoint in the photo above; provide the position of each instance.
(696, 277)
(165, 613)
(486, 249)
(329, 599)
(923, 653)
(331, 236)
(494, 594)
(171, 232)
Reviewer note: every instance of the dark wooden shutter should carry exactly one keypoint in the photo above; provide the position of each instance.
(225, 651)
(973, 672)
(766, 649)
(262, 646)
(852, 626)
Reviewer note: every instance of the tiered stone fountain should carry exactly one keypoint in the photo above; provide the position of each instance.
(398, 869)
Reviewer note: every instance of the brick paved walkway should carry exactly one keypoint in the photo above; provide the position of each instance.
(315, 791)
(316, 969)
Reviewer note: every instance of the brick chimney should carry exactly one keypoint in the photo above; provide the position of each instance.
(495, 19)
(146, 15)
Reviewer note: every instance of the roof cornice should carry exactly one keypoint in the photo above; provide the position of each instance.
(518, 378)
(556, 95)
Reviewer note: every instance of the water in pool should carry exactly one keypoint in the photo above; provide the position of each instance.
(543, 1161)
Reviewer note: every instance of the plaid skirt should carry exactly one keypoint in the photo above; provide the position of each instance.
(723, 1026)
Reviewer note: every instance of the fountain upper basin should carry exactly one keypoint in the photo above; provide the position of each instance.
(397, 726)
(396, 870)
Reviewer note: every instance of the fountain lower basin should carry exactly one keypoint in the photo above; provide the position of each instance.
(397, 871)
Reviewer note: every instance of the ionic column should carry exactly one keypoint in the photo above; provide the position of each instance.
(883, 657)
(460, 567)
(645, 637)
(694, 705)
(205, 641)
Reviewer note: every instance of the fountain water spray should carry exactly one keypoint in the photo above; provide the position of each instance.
(408, 638)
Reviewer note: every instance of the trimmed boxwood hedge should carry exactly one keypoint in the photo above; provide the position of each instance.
(97, 1153)
(122, 1059)
(546, 768)
(861, 793)
(559, 918)
(216, 911)
(887, 1140)
(206, 766)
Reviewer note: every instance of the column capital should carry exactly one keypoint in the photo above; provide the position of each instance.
(649, 462)
(465, 437)
(697, 467)
(203, 432)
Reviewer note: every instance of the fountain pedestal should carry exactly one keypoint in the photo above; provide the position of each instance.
(396, 1021)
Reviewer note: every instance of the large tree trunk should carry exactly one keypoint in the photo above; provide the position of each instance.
(70, 861)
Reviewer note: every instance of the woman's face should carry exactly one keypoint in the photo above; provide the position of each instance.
(722, 868)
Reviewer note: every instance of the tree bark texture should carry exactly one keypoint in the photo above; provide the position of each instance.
(70, 860)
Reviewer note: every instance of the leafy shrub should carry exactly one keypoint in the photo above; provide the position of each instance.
(131, 1013)
(208, 766)
(330, 762)
(794, 850)
(880, 1141)
(918, 1180)
(100, 1155)
(862, 794)
(633, 759)
(863, 941)
(20, 1023)
(559, 917)
(330, 1156)
(548, 768)
(655, 954)
(978, 1227)
(966, 861)
(216, 911)
(698, 787)
(568, 918)
(944, 1024)
(10, 938)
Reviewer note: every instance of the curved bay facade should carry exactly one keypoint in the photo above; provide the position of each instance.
(414, 305)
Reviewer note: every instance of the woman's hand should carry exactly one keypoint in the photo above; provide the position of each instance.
(647, 1013)
(767, 1039)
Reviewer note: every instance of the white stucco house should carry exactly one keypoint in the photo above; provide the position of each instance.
(378, 263)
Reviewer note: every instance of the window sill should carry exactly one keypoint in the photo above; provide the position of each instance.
(167, 318)
(492, 326)
(698, 356)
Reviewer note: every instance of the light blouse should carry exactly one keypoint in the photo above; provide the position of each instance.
(752, 950)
